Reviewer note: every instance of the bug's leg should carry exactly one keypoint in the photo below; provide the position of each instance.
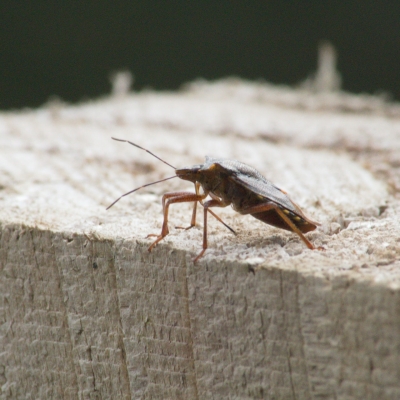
(215, 202)
(295, 228)
(167, 200)
(216, 216)
(193, 220)
(222, 222)
(289, 223)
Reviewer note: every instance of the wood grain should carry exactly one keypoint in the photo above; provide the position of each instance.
(88, 312)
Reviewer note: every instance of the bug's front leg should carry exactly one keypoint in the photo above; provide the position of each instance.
(215, 202)
(167, 200)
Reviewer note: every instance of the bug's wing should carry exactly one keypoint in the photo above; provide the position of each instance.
(248, 177)
(264, 188)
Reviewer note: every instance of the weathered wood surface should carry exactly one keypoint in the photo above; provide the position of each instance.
(87, 312)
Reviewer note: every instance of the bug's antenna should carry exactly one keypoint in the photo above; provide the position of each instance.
(134, 190)
(148, 151)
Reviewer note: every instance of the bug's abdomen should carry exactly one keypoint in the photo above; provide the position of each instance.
(271, 217)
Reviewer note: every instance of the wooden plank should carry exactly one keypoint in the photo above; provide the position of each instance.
(87, 311)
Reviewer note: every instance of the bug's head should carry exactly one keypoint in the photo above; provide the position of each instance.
(188, 173)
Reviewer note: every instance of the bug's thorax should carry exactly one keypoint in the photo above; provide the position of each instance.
(208, 175)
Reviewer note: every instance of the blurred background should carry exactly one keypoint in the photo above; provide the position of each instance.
(69, 49)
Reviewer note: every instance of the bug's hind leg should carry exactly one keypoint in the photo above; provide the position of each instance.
(271, 206)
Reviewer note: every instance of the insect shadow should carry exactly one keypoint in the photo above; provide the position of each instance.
(230, 182)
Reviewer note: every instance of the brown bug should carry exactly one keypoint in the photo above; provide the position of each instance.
(230, 182)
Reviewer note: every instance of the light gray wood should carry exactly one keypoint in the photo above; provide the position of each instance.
(88, 312)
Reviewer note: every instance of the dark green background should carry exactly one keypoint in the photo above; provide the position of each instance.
(69, 48)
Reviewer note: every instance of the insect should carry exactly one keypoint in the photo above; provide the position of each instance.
(230, 182)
